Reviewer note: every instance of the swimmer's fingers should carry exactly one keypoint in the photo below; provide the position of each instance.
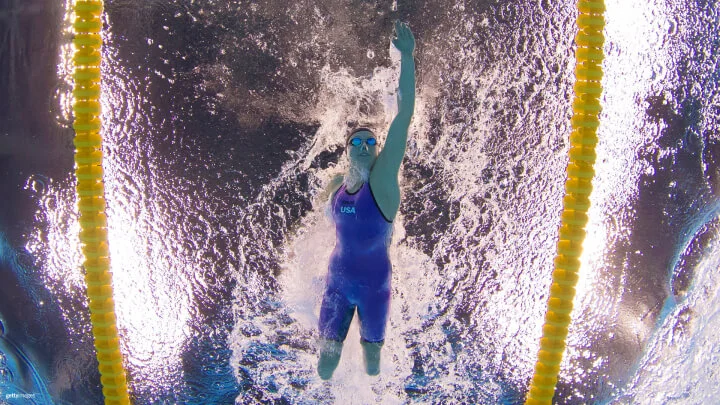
(405, 31)
(401, 30)
(398, 27)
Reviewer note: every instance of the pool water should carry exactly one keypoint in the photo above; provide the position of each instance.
(223, 122)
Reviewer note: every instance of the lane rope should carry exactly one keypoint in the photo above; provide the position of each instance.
(583, 138)
(87, 58)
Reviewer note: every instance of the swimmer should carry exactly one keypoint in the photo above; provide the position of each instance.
(363, 206)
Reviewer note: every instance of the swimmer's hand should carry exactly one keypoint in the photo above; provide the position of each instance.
(403, 39)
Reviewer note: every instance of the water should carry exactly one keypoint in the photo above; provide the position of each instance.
(225, 119)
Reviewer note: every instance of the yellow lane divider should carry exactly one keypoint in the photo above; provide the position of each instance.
(91, 198)
(586, 108)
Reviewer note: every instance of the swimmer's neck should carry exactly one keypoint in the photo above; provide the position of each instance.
(353, 188)
(356, 176)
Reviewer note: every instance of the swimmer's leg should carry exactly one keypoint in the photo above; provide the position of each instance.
(373, 314)
(335, 316)
(330, 351)
(371, 351)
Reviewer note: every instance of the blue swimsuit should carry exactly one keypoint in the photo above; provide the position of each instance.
(360, 270)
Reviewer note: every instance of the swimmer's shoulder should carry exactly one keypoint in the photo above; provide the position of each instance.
(335, 185)
(329, 193)
(332, 187)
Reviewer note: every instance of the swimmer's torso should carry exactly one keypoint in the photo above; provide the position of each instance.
(362, 239)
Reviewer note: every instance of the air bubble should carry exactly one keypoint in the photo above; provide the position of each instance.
(6, 376)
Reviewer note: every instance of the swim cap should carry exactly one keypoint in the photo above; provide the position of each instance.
(356, 130)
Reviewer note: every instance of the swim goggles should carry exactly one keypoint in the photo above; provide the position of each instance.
(358, 141)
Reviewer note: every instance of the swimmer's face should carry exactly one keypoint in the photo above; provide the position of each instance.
(363, 154)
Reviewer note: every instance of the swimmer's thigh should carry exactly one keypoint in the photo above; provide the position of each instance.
(335, 315)
(373, 313)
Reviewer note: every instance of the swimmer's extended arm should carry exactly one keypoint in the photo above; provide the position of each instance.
(384, 174)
